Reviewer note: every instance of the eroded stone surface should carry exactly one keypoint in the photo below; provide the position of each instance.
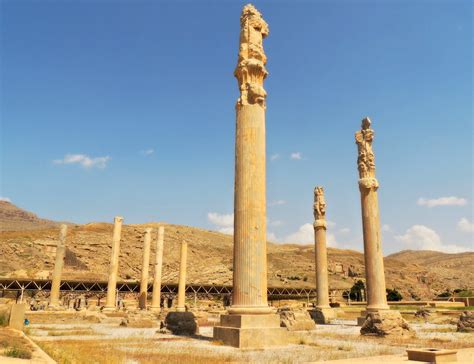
(181, 323)
(385, 322)
(295, 320)
(140, 319)
(466, 322)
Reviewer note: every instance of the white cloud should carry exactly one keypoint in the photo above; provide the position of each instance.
(330, 224)
(274, 157)
(277, 203)
(271, 237)
(442, 201)
(304, 235)
(274, 223)
(83, 160)
(147, 152)
(344, 231)
(420, 237)
(386, 228)
(296, 155)
(6, 199)
(466, 226)
(224, 222)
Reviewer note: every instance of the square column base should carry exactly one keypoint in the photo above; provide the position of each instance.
(322, 315)
(385, 322)
(251, 331)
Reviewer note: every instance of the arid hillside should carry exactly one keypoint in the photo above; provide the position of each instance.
(30, 252)
(12, 218)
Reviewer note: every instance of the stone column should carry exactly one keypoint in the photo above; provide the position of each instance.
(156, 298)
(58, 267)
(378, 311)
(110, 304)
(182, 278)
(146, 262)
(250, 311)
(368, 185)
(323, 312)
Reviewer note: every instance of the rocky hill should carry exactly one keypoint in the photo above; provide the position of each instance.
(13, 218)
(30, 253)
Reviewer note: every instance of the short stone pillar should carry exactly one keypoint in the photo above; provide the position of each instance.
(251, 323)
(58, 268)
(323, 312)
(156, 297)
(378, 311)
(146, 262)
(180, 307)
(110, 304)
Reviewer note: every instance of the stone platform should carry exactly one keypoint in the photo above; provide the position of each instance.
(251, 331)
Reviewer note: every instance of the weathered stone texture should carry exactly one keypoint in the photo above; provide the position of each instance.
(181, 323)
(385, 322)
(466, 322)
(296, 320)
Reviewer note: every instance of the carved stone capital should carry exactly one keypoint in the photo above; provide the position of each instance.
(250, 71)
(320, 224)
(368, 183)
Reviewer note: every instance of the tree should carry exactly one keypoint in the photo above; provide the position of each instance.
(355, 293)
(393, 295)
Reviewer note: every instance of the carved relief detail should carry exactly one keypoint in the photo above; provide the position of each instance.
(319, 208)
(250, 71)
(366, 158)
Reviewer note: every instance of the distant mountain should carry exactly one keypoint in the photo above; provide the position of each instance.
(27, 248)
(13, 218)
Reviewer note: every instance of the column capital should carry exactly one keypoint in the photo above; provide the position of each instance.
(320, 224)
(368, 183)
(250, 71)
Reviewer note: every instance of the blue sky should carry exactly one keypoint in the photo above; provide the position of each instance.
(127, 108)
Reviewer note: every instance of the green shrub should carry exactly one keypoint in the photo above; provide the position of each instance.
(3, 319)
(393, 295)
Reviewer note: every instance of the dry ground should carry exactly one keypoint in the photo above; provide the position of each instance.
(109, 343)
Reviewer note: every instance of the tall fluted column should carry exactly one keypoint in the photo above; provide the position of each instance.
(156, 297)
(146, 262)
(322, 287)
(182, 278)
(250, 251)
(368, 185)
(114, 265)
(251, 323)
(58, 267)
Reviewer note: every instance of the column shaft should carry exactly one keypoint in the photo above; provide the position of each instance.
(321, 267)
(182, 278)
(156, 297)
(250, 249)
(146, 262)
(114, 264)
(374, 266)
(58, 266)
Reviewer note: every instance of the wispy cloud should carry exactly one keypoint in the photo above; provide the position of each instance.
(224, 222)
(147, 152)
(274, 223)
(277, 203)
(442, 201)
(274, 157)
(466, 226)
(386, 228)
(305, 235)
(6, 199)
(421, 237)
(296, 156)
(83, 160)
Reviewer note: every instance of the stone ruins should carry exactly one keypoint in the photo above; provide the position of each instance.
(379, 318)
(110, 304)
(250, 321)
(58, 268)
(323, 313)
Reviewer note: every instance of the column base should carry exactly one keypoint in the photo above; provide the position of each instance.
(155, 309)
(385, 322)
(251, 331)
(323, 315)
(109, 309)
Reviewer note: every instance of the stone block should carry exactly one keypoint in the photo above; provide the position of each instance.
(181, 323)
(466, 322)
(296, 320)
(17, 316)
(385, 322)
(323, 315)
(254, 332)
(432, 355)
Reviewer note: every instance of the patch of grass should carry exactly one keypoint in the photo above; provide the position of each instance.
(3, 319)
(15, 352)
(71, 332)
